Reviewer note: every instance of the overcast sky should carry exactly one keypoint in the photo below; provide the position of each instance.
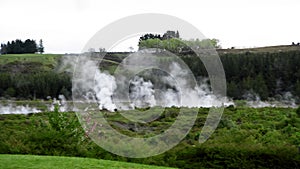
(66, 25)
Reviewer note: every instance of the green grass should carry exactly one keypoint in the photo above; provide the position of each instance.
(28, 63)
(48, 162)
(41, 58)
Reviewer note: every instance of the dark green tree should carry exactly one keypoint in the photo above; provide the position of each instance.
(18, 47)
(41, 47)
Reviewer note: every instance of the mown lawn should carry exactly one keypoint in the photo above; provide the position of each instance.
(49, 162)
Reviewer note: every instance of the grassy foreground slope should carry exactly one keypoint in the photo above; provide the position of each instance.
(49, 162)
(245, 138)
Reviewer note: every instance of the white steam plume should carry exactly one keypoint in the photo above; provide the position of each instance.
(253, 100)
(94, 86)
(187, 95)
(14, 109)
(142, 93)
(89, 83)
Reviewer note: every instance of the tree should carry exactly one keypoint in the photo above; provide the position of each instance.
(260, 87)
(102, 50)
(215, 43)
(41, 47)
(131, 49)
(177, 34)
(30, 46)
(19, 47)
(8, 48)
(91, 50)
(233, 90)
(3, 49)
(297, 89)
(170, 34)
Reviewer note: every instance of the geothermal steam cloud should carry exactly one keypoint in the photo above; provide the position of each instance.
(13, 109)
(129, 89)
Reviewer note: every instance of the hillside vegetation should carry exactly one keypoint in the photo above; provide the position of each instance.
(268, 73)
(245, 138)
(28, 63)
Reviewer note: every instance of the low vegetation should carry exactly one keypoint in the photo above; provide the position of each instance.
(245, 138)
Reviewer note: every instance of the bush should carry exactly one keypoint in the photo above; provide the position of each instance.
(298, 111)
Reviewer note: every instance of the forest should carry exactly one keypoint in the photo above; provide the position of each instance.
(269, 75)
(19, 47)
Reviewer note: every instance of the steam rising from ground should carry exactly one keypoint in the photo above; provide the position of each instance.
(142, 93)
(253, 100)
(61, 102)
(14, 109)
(11, 108)
(129, 89)
(150, 88)
(191, 96)
(170, 87)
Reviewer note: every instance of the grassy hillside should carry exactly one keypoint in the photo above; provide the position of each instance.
(18, 62)
(54, 162)
(28, 63)
(41, 58)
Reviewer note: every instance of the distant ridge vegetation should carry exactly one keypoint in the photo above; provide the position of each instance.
(19, 47)
(266, 72)
(271, 49)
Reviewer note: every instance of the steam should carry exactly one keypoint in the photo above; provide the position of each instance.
(89, 83)
(142, 93)
(61, 102)
(104, 87)
(14, 109)
(184, 95)
(148, 89)
(284, 100)
(94, 86)
(171, 88)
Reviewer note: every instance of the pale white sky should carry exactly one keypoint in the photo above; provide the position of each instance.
(66, 25)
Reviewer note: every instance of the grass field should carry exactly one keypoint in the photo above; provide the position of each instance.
(49, 162)
(41, 58)
(28, 63)
(42, 62)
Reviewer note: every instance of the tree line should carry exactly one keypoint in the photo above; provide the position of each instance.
(35, 85)
(268, 75)
(172, 42)
(19, 47)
